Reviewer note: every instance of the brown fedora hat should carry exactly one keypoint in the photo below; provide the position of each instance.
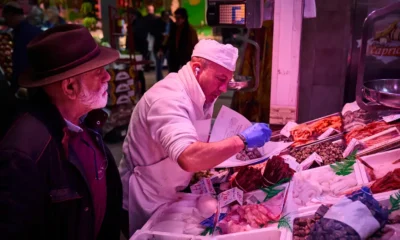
(63, 52)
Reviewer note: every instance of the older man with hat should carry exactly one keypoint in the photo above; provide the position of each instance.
(167, 140)
(58, 180)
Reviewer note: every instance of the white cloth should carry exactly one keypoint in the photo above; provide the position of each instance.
(163, 124)
(222, 54)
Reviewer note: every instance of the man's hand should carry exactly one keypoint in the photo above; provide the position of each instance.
(203, 156)
(160, 54)
(257, 135)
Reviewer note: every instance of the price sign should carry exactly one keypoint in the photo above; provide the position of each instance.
(229, 196)
(391, 118)
(202, 187)
(288, 127)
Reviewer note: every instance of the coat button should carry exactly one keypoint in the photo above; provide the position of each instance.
(86, 209)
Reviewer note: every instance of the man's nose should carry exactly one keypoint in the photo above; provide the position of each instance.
(107, 76)
(224, 88)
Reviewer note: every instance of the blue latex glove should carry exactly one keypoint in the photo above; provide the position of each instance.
(257, 135)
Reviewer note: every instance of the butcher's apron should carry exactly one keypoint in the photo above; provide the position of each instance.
(147, 192)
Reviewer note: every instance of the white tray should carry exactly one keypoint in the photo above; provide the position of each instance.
(188, 200)
(380, 160)
(292, 207)
(153, 235)
(270, 233)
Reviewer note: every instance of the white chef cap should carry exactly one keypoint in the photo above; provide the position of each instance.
(222, 54)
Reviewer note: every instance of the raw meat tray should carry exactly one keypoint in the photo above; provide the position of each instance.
(271, 232)
(279, 137)
(381, 162)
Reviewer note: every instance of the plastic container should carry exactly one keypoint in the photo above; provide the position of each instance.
(383, 141)
(381, 162)
(187, 202)
(292, 207)
(279, 137)
(154, 235)
(337, 140)
(271, 233)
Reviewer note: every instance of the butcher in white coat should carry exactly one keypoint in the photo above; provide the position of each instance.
(165, 144)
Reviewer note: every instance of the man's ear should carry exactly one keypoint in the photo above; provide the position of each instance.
(196, 68)
(195, 65)
(70, 88)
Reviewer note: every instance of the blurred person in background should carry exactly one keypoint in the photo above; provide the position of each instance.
(149, 21)
(181, 41)
(53, 17)
(36, 16)
(161, 32)
(139, 33)
(23, 33)
(150, 16)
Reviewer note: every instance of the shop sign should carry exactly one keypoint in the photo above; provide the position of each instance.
(385, 42)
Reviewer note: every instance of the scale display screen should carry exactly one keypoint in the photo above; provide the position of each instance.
(232, 14)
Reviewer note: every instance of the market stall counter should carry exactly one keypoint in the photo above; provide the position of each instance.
(280, 191)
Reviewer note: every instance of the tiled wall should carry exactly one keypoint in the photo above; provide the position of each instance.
(323, 59)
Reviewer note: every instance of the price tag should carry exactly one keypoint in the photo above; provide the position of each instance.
(350, 148)
(220, 177)
(327, 133)
(202, 187)
(350, 107)
(391, 118)
(291, 161)
(287, 128)
(229, 196)
(310, 160)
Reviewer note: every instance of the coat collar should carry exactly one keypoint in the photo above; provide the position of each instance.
(192, 87)
(72, 127)
(48, 113)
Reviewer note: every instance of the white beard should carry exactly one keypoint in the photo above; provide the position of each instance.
(93, 100)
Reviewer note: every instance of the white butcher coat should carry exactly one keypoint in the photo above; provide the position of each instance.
(167, 119)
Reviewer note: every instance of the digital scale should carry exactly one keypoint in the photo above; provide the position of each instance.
(232, 14)
(235, 13)
(239, 14)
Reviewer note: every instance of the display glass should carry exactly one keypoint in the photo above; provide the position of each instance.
(232, 14)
